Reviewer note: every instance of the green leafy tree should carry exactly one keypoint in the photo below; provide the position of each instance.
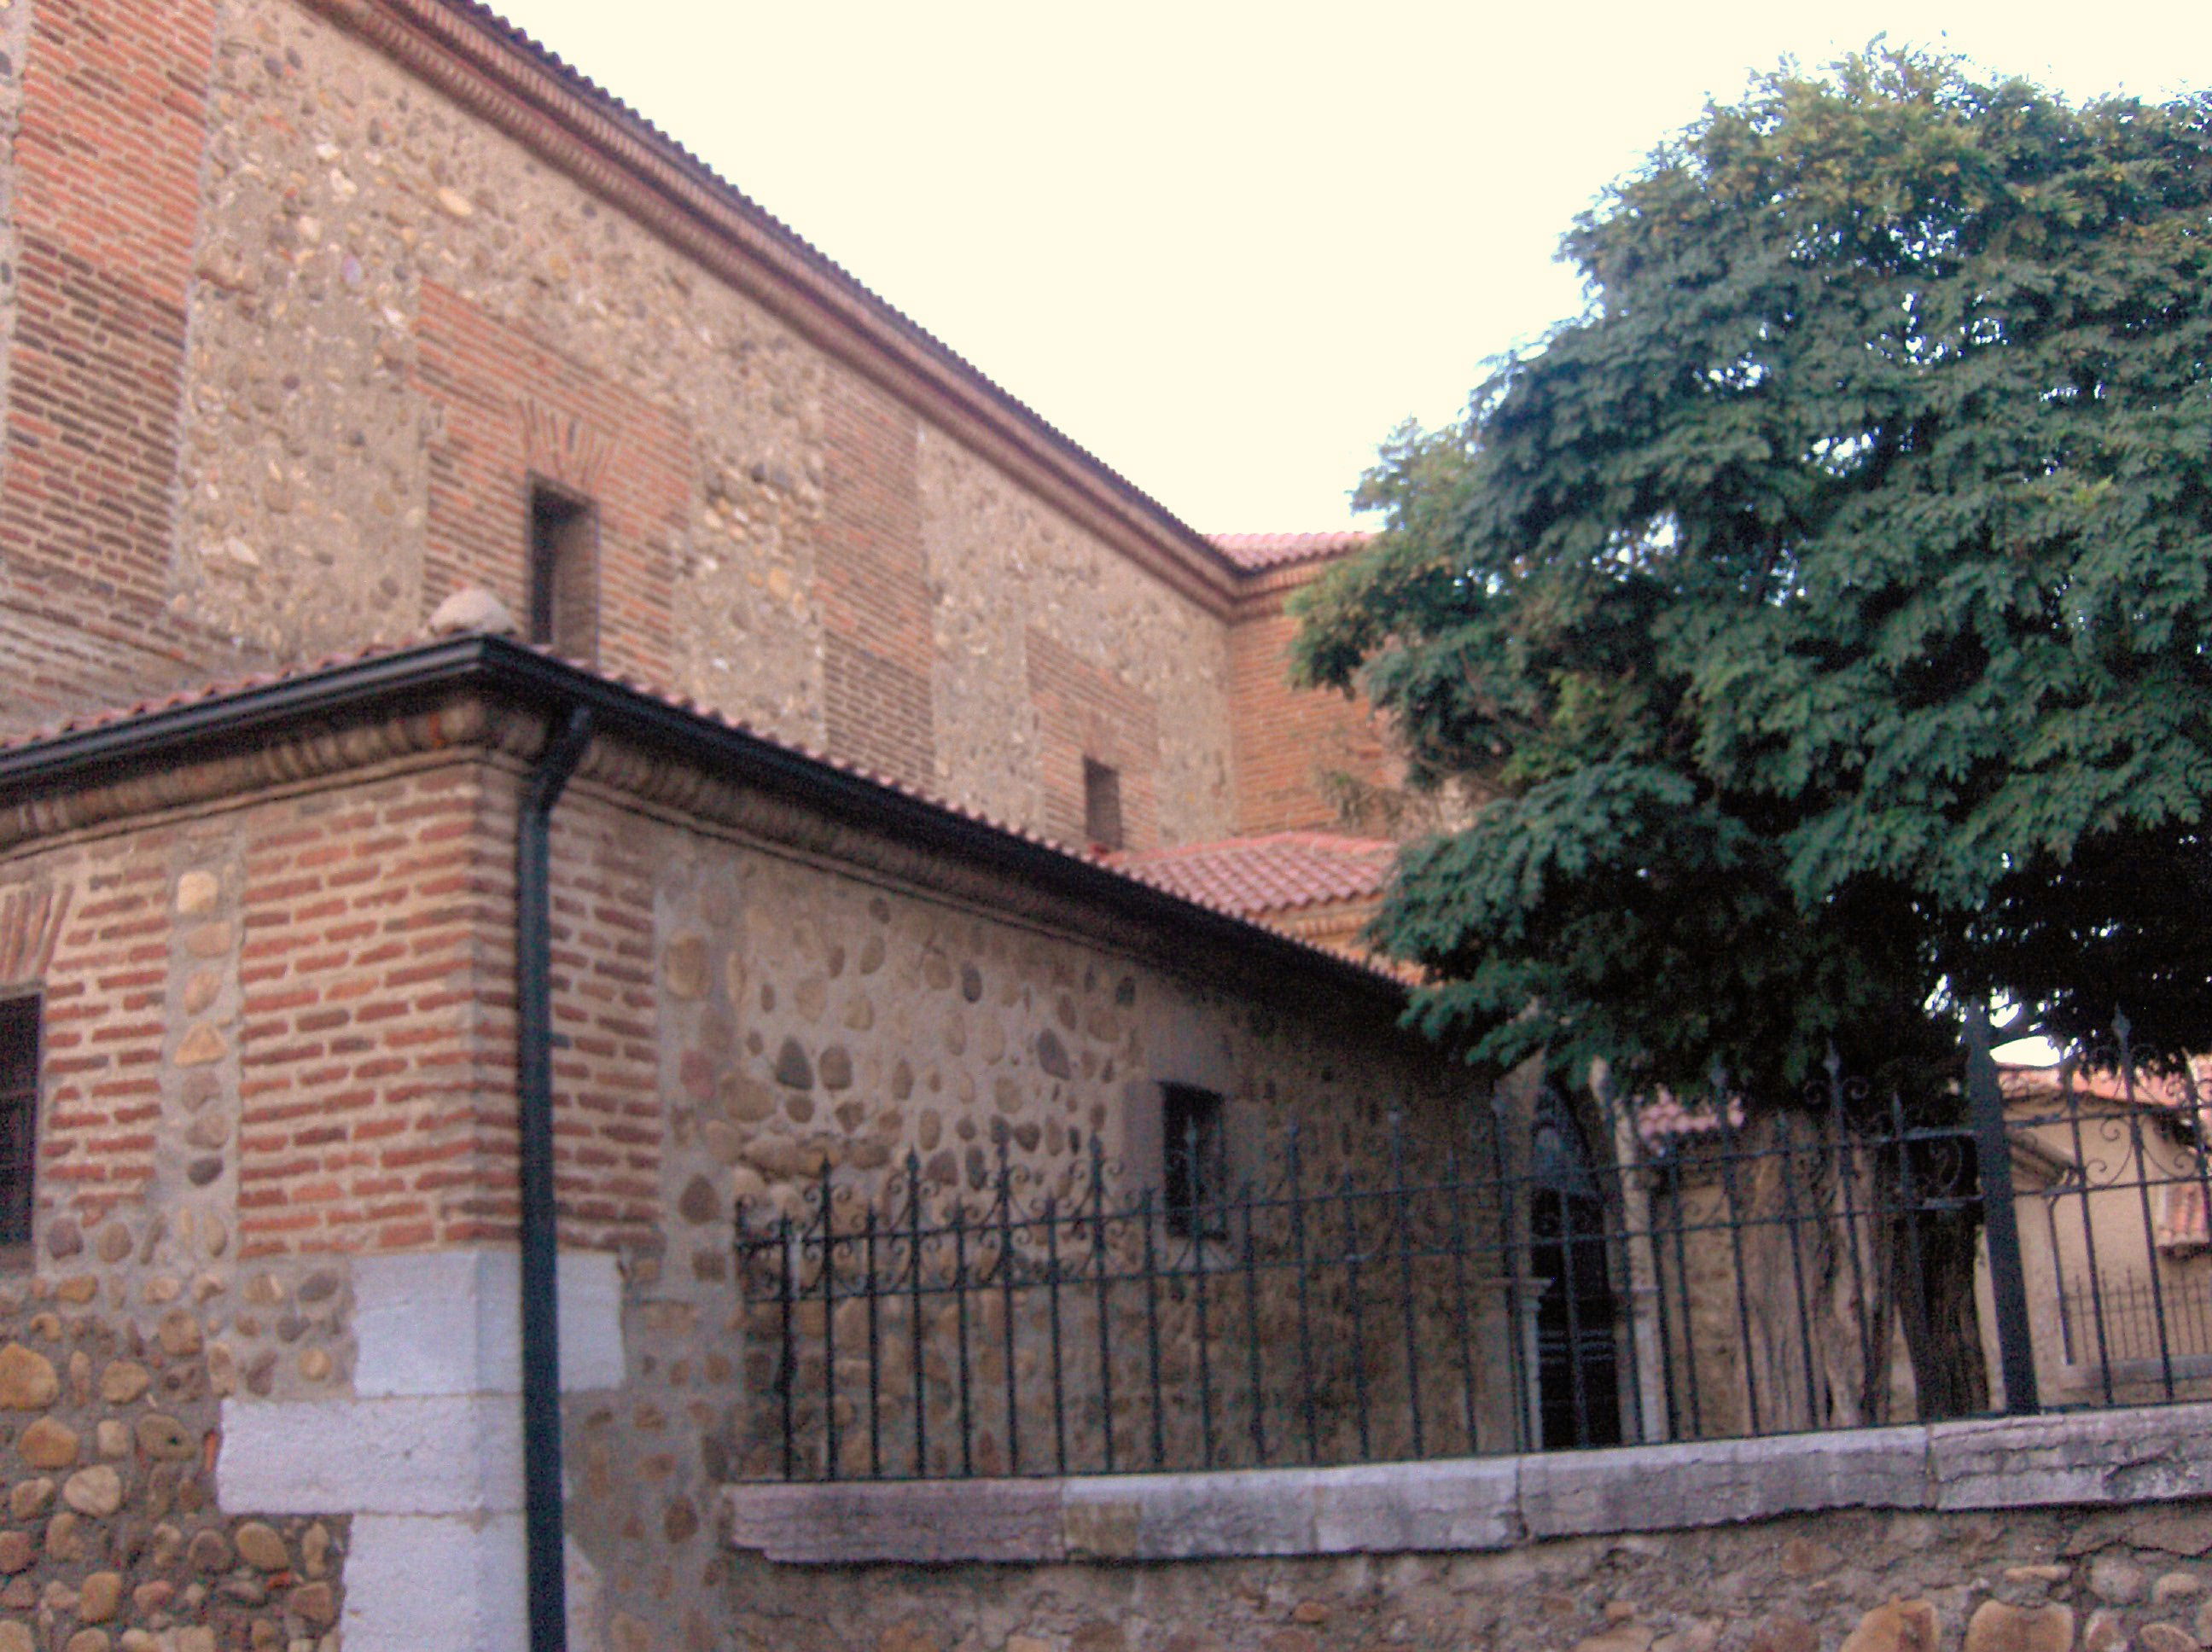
(1820, 620)
(1823, 617)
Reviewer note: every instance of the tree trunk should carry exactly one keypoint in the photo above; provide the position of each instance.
(1942, 1327)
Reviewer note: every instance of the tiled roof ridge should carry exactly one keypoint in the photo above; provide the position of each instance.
(299, 672)
(1252, 552)
(1336, 842)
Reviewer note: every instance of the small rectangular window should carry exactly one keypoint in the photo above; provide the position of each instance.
(564, 574)
(1102, 804)
(1195, 1165)
(19, 1109)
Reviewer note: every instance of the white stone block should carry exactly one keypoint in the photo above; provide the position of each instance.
(431, 1454)
(450, 1322)
(905, 1520)
(430, 1583)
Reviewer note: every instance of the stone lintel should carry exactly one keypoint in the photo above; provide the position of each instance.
(2117, 1458)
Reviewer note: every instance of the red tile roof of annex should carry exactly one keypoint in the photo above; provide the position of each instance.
(1237, 886)
(1280, 871)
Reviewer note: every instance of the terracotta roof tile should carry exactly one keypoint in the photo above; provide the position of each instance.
(197, 694)
(1276, 873)
(1252, 552)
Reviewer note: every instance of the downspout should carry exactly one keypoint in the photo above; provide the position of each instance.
(542, 1513)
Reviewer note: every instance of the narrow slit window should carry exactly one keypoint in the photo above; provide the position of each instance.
(1102, 804)
(19, 1108)
(1195, 1165)
(564, 574)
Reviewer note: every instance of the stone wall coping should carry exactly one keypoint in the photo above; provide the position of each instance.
(2128, 1456)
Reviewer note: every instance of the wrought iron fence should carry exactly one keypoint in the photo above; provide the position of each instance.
(1570, 1275)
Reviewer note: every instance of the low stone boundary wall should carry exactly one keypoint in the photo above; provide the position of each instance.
(2090, 1533)
(2126, 1457)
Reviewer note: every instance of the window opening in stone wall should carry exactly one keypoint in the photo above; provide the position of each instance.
(19, 1108)
(564, 574)
(1102, 804)
(1194, 1162)
(1578, 1365)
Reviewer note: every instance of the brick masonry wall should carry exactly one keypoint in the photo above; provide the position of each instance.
(104, 198)
(1291, 743)
(1083, 712)
(510, 412)
(364, 924)
(870, 587)
(610, 1119)
(104, 1029)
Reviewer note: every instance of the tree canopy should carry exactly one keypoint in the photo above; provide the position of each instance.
(1822, 620)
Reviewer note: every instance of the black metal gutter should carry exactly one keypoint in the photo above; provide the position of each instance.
(542, 1512)
(497, 666)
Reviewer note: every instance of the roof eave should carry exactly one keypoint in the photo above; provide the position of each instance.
(494, 666)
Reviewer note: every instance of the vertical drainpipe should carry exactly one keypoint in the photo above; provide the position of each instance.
(542, 1513)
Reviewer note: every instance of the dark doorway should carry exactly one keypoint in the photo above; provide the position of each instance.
(1577, 1359)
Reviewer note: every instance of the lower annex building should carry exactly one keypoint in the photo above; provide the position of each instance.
(334, 332)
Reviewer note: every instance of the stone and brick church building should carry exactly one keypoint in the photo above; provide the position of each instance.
(519, 666)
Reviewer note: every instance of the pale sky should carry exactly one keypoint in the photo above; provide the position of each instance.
(1226, 247)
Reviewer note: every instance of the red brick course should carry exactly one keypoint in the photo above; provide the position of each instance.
(513, 409)
(607, 1122)
(107, 173)
(366, 918)
(1286, 739)
(1085, 711)
(871, 586)
(103, 1026)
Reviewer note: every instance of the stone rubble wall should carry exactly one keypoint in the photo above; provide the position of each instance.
(111, 1537)
(802, 1012)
